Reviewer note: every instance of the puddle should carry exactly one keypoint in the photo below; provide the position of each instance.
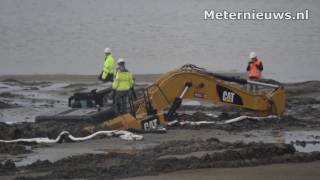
(54, 154)
(303, 141)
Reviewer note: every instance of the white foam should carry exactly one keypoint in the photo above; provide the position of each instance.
(125, 135)
(240, 118)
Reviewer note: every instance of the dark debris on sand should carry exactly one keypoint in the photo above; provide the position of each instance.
(14, 82)
(7, 167)
(168, 157)
(50, 129)
(10, 95)
(4, 105)
(297, 89)
(13, 149)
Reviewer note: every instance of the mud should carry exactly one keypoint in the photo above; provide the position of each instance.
(4, 105)
(168, 157)
(298, 89)
(302, 114)
(13, 149)
(43, 129)
(7, 167)
(304, 143)
(15, 82)
(9, 95)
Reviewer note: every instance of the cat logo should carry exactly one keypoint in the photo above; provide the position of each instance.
(228, 96)
(150, 124)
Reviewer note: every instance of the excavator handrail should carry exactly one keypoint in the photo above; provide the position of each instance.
(228, 78)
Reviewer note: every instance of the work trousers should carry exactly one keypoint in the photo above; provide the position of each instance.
(253, 87)
(121, 101)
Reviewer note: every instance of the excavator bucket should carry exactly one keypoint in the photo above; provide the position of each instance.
(279, 101)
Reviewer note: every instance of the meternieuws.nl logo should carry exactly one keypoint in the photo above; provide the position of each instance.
(255, 15)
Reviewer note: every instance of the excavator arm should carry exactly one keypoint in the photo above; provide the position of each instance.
(164, 97)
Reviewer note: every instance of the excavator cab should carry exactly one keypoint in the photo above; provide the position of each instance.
(94, 98)
(93, 106)
(131, 120)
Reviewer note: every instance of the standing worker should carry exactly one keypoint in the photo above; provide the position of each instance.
(108, 67)
(121, 85)
(254, 68)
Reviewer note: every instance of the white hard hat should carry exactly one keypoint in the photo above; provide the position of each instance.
(120, 61)
(107, 50)
(252, 55)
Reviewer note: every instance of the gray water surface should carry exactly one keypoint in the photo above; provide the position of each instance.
(154, 36)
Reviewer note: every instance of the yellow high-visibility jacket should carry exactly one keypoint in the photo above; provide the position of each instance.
(123, 81)
(108, 66)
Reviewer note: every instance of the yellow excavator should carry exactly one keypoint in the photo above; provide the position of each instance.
(161, 99)
(159, 102)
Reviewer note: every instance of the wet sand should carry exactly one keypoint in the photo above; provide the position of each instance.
(72, 78)
(288, 171)
(292, 138)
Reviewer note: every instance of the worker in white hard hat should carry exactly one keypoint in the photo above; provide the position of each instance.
(254, 68)
(122, 85)
(120, 61)
(108, 69)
